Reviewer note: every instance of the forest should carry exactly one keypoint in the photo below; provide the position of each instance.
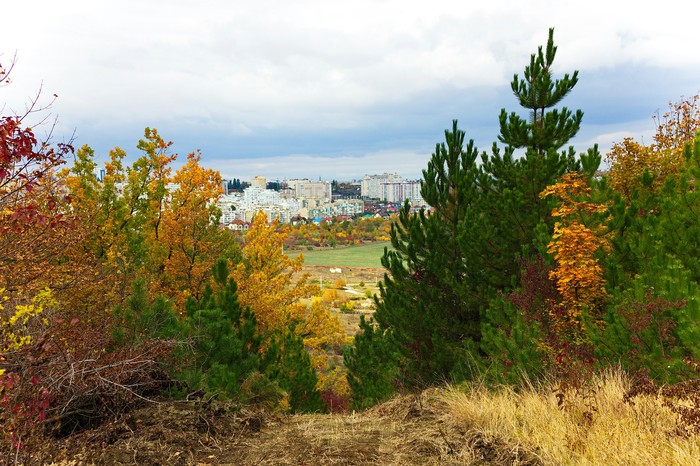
(532, 262)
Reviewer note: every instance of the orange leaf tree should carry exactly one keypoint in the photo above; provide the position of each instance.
(148, 223)
(578, 273)
(189, 231)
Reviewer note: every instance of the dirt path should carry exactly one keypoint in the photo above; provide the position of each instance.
(409, 430)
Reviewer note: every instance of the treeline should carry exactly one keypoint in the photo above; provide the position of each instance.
(534, 264)
(336, 232)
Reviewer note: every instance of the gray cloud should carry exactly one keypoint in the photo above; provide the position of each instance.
(340, 85)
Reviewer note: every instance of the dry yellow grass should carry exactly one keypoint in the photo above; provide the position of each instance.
(592, 427)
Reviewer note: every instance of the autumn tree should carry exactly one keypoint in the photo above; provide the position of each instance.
(272, 284)
(190, 232)
(578, 272)
(36, 227)
(629, 160)
(146, 222)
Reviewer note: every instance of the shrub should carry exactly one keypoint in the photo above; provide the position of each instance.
(347, 307)
(67, 374)
(339, 284)
(330, 296)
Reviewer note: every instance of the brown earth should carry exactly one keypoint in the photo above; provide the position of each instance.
(351, 275)
(409, 430)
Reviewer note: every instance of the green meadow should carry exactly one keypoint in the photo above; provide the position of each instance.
(365, 255)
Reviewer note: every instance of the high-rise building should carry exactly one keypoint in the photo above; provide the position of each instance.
(371, 186)
(399, 192)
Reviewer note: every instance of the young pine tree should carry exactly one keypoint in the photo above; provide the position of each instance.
(511, 209)
(512, 224)
(424, 298)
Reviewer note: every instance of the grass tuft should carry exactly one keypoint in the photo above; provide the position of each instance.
(591, 426)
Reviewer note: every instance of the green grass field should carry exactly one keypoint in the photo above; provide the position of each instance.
(365, 255)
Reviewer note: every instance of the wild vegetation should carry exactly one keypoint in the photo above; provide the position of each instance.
(332, 233)
(534, 283)
(115, 291)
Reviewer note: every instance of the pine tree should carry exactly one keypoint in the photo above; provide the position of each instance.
(513, 223)
(449, 263)
(373, 366)
(224, 335)
(546, 129)
(428, 280)
(511, 209)
(288, 364)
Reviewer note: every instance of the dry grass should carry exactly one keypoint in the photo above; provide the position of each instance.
(590, 427)
(454, 426)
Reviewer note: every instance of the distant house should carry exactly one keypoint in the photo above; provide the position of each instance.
(298, 220)
(238, 225)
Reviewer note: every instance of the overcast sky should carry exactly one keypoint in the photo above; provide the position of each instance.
(331, 89)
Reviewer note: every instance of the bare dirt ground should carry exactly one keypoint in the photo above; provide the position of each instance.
(409, 430)
(352, 275)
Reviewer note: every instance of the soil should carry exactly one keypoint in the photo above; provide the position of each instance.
(409, 430)
(351, 275)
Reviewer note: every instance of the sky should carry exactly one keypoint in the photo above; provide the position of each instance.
(335, 90)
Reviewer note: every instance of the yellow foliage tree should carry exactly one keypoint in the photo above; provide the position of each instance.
(189, 232)
(664, 157)
(272, 285)
(143, 221)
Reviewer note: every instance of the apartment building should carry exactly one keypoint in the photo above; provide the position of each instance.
(399, 192)
(259, 182)
(371, 186)
(307, 189)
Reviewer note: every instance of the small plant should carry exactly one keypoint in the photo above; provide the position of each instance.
(347, 307)
(330, 296)
(339, 284)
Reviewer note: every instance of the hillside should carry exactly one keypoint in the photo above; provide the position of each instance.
(409, 430)
(611, 422)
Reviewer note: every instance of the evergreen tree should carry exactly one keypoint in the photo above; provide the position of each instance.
(546, 129)
(511, 213)
(421, 307)
(448, 264)
(288, 364)
(224, 336)
(373, 365)
(653, 322)
(512, 223)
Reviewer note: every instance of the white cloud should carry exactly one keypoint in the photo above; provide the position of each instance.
(408, 164)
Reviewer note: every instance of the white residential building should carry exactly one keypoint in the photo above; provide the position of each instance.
(371, 186)
(399, 192)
